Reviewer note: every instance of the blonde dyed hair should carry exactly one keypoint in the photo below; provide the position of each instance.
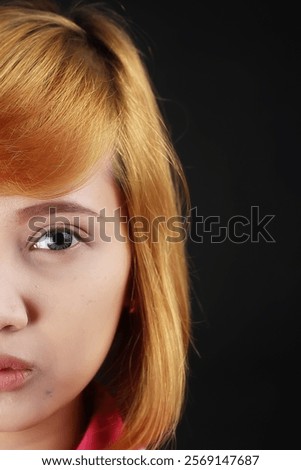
(73, 89)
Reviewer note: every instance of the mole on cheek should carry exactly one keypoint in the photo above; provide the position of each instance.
(49, 393)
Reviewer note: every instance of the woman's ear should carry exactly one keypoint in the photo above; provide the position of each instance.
(132, 308)
(130, 301)
(130, 298)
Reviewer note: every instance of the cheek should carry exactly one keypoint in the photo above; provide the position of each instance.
(83, 317)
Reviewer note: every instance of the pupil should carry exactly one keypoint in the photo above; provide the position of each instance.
(62, 239)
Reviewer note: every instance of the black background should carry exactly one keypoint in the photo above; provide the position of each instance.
(228, 77)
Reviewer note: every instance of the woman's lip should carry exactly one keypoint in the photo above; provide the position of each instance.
(14, 363)
(14, 372)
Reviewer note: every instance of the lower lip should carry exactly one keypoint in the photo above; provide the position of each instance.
(12, 379)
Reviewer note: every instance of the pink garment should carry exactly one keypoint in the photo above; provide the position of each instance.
(105, 424)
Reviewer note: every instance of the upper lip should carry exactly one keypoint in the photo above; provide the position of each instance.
(14, 363)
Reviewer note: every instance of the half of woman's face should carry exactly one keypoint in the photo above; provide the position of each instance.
(61, 296)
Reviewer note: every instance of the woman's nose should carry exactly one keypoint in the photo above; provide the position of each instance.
(13, 312)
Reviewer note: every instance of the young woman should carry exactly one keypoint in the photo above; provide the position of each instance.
(94, 311)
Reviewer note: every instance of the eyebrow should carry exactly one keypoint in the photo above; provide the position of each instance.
(60, 207)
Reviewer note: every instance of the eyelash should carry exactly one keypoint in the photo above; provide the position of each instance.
(52, 232)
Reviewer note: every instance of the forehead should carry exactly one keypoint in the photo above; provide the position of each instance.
(99, 191)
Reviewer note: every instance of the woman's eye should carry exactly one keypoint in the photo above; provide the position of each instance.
(57, 239)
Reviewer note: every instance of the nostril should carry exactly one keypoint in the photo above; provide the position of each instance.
(9, 328)
(13, 322)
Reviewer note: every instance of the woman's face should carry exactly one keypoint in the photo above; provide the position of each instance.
(59, 308)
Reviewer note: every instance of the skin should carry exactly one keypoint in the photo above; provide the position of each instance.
(59, 310)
